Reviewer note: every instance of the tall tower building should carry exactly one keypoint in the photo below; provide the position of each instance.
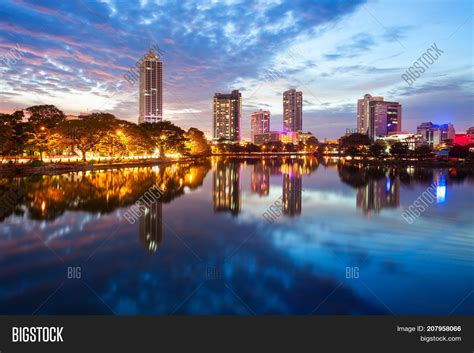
(292, 111)
(363, 112)
(259, 123)
(151, 89)
(227, 113)
(385, 118)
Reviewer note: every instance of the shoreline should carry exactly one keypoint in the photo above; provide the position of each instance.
(59, 168)
(417, 163)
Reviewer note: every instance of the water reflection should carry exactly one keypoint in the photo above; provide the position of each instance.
(260, 178)
(292, 188)
(210, 216)
(227, 186)
(226, 192)
(151, 226)
(47, 197)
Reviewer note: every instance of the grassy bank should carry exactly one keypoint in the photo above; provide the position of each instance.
(58, 168)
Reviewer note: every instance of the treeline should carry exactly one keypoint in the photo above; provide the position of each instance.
(47, 132)
(360, 145)
(310, 145)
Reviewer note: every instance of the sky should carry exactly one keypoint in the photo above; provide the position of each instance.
(74, 54)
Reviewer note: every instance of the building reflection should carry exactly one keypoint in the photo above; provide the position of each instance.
(379, 193)
(292, 188)
(260, 178)
(150, 226)
(440, 182)
(226, 194)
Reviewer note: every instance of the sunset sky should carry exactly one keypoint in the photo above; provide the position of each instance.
(76, 53)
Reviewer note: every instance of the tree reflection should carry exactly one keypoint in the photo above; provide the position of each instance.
(49, 196)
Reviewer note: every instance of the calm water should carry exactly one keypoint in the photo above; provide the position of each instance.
(340, 245)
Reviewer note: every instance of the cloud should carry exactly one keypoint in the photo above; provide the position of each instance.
(357, 45)
(76, 54)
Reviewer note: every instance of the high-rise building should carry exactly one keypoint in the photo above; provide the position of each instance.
(227, 113)
(259, 123)
(151, 89)
(363, 112)
(292, 111)
(385, 118)
(435, 134)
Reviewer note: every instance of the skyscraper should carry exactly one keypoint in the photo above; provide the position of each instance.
(363, 112)
(227, 113)
(385, 118)
(151, 89)
(259, 123)
(292, 110)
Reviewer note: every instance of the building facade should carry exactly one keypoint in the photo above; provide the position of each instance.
(276, 136)
(436, 134)
(151, 89)
(363, 112)
(259, 123)
(227, 113)
(385, 118)
(292, 111)
(411, 140)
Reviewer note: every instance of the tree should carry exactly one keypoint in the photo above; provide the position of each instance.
(289, 147)
(423, 151)
(126, 138)
(312, 144)
(88, 133)
(355, 139)
(168, 137)
(458, 151)
(352, 151)
(196, 142)
(377, 149)
(45, 115)
(11, 133)
(399, 149)
(250, 147)
(37, 139)
(274, 146)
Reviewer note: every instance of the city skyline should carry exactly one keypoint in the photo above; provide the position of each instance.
(334, 60)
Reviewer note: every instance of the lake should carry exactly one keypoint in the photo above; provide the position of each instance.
(248, 236)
